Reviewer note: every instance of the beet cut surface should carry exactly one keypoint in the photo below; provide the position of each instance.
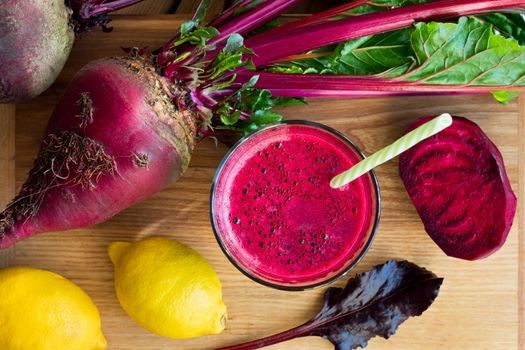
(459, 186)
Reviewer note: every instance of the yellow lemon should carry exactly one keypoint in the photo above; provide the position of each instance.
(168, 288)
(40, 310)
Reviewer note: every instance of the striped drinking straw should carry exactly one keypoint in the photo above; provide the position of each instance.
(417, 135)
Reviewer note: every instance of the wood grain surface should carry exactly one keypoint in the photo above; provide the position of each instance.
(478, 304)
(7, 168)
(189, 7)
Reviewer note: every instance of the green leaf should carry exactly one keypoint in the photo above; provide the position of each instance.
(252, 100)
(227, 116)
(266, 117)
(374, 54)
(255, 102)
(505, 96)
(288, 101)
(274, 23)
(198, 36)
(251, 83)
(186, 27)
(251, 5)
(258, 120)
(225, 62)
(225, 84)
(234, 43)
(389, 52)
(288, 68)
(468, 52)
(381, 5)
(249, 65)
(230, 57)
(511, 25)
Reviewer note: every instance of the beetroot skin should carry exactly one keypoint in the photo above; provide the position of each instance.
(35, 42)
(458, 184)
(36, 37)
(115, 138)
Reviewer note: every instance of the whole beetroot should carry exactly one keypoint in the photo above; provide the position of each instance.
(36, 37)
(105, 148)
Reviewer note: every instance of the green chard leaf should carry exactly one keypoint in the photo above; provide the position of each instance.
(227, 116)
(186, 27)
(230, 57)
(195, 35)
(225, 61)
(251, 83)
(258, 120)
(258, 104)
(468, 52)
(381, 5)
(505, 96)
(265, 27)
(252, 100)
(243, 9)
(511, 25)
(389, 52)
(288, 101)
(234, 43)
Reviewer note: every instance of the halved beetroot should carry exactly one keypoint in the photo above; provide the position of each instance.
(458, 184)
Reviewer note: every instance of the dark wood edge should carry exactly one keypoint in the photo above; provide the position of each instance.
(7, 169)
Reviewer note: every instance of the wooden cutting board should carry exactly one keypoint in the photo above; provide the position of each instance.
(478, 307)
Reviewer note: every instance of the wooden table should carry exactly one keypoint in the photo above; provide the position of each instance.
(478, 307)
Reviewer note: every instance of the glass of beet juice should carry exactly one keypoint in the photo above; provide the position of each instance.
(275, 215)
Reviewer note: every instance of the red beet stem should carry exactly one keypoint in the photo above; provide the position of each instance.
(229, 13)
(318, 85)
(88, 11)
(313, 326)
(254, 18)
(273, 339)
(318, 18)
(281, 44)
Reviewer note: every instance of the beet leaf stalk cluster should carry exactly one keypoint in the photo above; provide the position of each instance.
(237, 73)
(90, 13)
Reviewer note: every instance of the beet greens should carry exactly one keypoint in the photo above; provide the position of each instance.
(372, 304)
(381, 53)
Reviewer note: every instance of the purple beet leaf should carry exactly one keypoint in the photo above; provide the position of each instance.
(372, 304)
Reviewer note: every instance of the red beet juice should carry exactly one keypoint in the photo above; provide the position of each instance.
(275, 214)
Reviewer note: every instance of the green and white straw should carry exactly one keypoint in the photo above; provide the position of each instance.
(417, 135)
